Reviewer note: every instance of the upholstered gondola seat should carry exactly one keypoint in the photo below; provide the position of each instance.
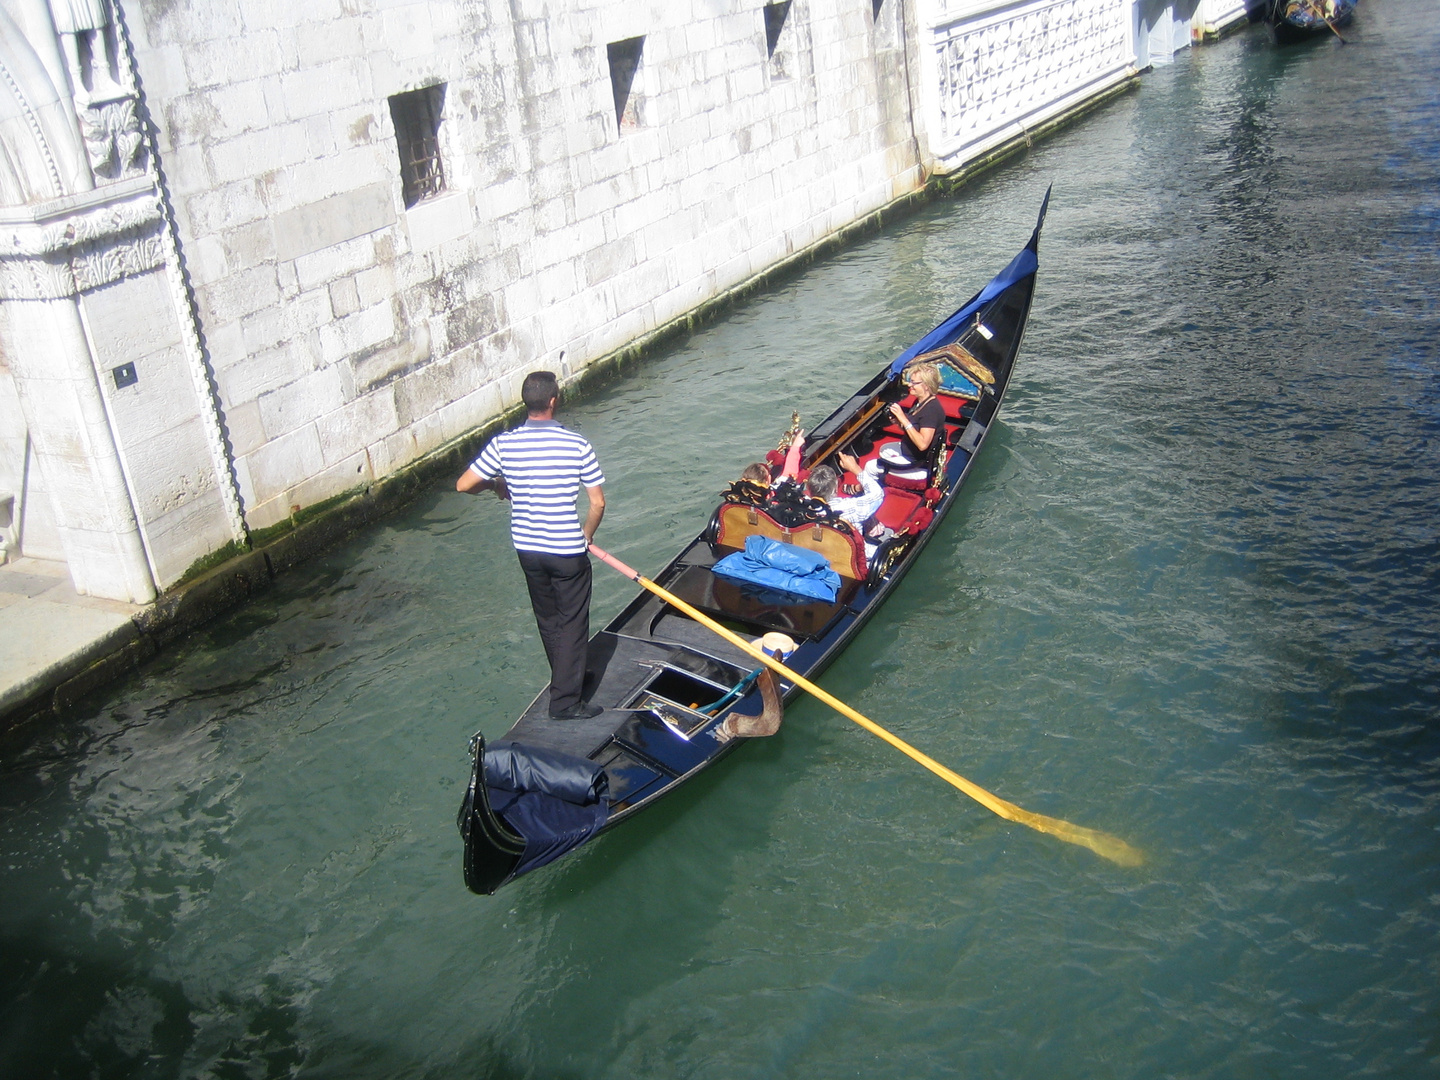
(844, 549)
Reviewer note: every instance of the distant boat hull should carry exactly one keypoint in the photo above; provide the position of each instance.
(1292, 21)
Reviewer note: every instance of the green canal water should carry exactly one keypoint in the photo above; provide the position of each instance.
(1189, 597)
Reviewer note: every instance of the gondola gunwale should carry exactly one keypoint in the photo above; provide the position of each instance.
(838, 633)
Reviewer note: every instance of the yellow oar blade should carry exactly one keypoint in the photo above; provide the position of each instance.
(1103, 844)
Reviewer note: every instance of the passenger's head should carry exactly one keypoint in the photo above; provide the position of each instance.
(823, 482)
(926, 374)
(756, 471)
(538, 390)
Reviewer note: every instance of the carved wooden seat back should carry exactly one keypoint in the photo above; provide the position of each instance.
(844, 549)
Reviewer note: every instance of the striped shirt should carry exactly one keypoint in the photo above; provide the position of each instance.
(544, 465)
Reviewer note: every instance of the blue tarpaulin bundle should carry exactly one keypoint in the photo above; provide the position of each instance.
(782, 566)
(554, 800)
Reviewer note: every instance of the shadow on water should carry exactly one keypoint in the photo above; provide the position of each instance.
(73, 1015)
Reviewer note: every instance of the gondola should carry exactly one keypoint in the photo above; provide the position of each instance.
(676, 697)
(1290, 21)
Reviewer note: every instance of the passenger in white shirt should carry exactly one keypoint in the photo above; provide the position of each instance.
(856, 509)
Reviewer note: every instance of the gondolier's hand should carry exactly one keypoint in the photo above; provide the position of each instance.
(472, 483)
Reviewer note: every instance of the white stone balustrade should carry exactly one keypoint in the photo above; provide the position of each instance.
(998, 69)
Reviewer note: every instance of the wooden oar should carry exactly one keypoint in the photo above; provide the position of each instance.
(1110, 847)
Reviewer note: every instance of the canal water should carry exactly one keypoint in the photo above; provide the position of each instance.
(1190, 598)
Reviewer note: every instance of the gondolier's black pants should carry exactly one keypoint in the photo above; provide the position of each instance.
(560, 595)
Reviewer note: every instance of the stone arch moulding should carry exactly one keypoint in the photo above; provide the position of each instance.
(91, 286)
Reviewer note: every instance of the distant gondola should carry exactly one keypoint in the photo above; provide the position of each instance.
(1289, 21)
(676, 697)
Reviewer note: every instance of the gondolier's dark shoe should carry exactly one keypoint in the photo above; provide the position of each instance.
(583, 711)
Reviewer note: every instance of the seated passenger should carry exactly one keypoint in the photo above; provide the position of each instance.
(753, 487)
(857, 509)
(923, 422)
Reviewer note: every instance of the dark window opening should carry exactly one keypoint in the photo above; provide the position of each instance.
(624, 63)
(774, 22)
(417, 133)
(877, 4)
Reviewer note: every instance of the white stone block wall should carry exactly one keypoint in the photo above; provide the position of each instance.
(1214, 17)
(157, 421)
(54, 374)
(349, 335)
(27, 520)
(1162, 29)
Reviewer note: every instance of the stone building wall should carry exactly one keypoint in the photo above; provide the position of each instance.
(130, 467)
(350, 334)
(257, 255)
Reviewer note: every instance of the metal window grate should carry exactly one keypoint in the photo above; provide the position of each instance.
(417, 134)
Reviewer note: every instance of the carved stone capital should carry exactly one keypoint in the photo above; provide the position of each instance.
(81, 242)
(114, 140)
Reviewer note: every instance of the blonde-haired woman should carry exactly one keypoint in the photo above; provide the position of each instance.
(923, 422)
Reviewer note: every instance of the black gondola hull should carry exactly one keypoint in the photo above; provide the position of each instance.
(652, 664)
(1306, 23)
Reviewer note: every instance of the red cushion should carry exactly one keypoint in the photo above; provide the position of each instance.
(897, 508)
(901, 483)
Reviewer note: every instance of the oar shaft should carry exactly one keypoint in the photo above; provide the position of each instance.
(1103, 844)
(979, 794)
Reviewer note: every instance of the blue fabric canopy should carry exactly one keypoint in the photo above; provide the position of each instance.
(1022, 266)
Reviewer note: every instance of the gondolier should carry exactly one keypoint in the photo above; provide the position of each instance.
(540, 467)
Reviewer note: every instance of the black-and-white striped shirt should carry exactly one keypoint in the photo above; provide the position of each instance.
(544, 465)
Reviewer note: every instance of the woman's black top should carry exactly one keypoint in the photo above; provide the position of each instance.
(929, 415)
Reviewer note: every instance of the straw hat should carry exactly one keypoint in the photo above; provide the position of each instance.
(774, 642)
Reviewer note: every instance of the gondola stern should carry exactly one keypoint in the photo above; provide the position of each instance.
(492, 850)
(550, 802)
